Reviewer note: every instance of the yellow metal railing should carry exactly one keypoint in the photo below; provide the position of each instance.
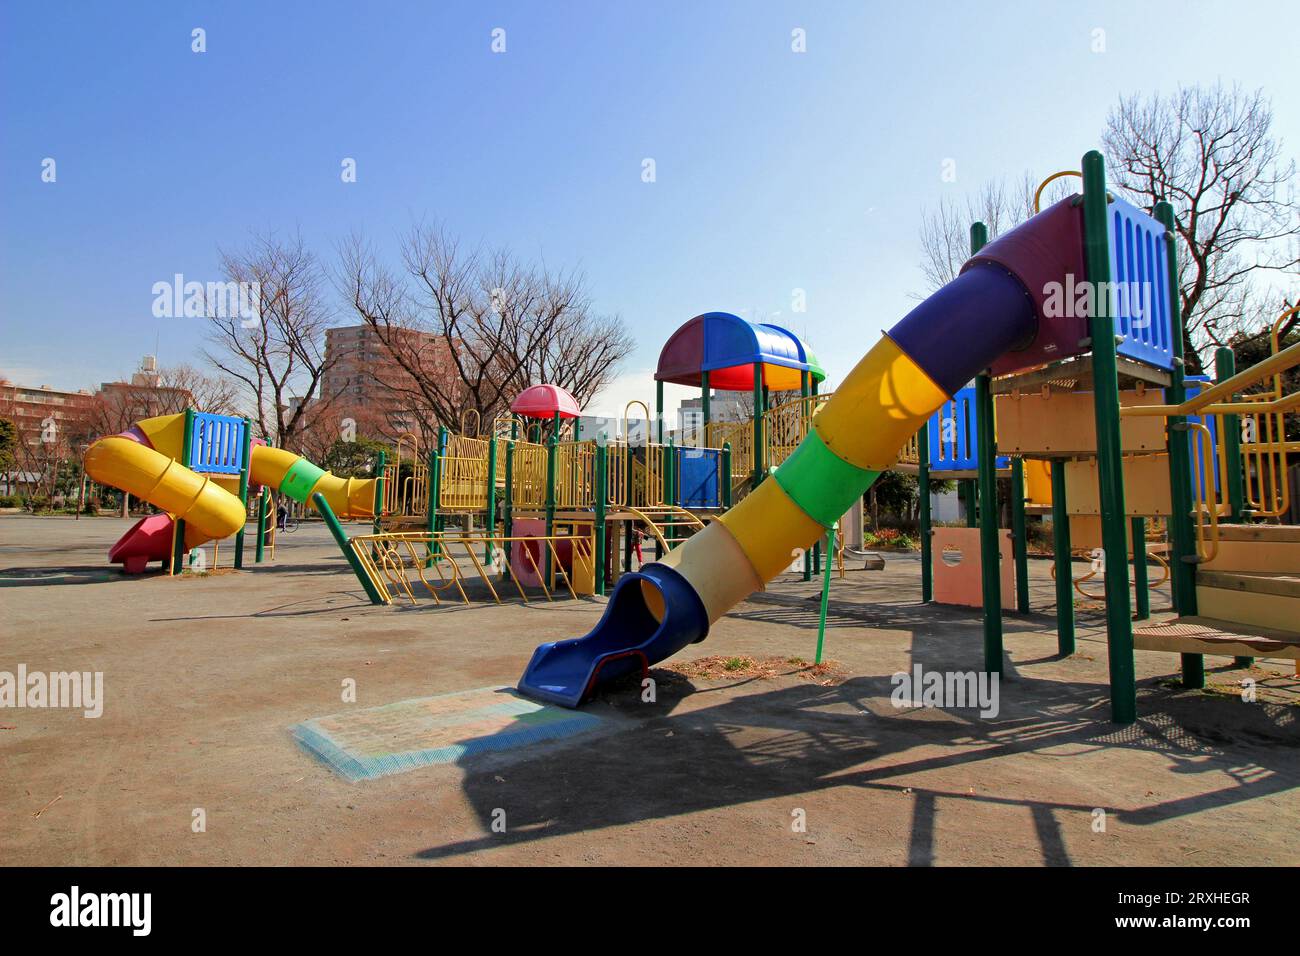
(575, 474)
(406, 479)
(397, 564)
(740, 435)
(1264, 447)
(528, 476)
(462, 482)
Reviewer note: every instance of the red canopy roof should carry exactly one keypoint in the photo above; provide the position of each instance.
(543, 401)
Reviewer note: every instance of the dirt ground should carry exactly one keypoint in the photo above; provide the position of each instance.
(204, 677)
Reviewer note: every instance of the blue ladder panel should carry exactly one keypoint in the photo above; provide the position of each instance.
(1139, 276)
(217, 444)
(698, 470)
(954, 435)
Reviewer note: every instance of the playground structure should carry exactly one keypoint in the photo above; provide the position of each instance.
(1105, 365)
(1086, 412)
(202, 470)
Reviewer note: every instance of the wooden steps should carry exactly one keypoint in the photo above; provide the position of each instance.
(1206, 635)
(1273, 548)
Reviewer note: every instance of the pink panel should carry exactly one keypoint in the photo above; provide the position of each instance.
(961, 583)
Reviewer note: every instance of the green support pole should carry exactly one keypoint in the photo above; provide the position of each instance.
(1110, 459)
(972, 505)
(246, 452)
(987, 511)
(263, 507)
(552, 447)
(826, 595)
(1064, 562)
(1182, 530)
(659, 410)
(706, 404)
(759, 470)
(178, 550)
(990, 553)
(1019, 539)
(724, 477)
(926, 531)
(491, 499)
(602, 495)
(508, 502)
(341, 539)
(378, 506)
(1225, 366)
(439, 519)
(1141, 596)
(434, 471)
(804, 391)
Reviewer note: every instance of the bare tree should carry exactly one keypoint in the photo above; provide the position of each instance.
(1211, 153)
(1000, 204)
(470, 329)
(276, 354)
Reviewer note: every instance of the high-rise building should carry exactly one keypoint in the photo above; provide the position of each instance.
(363, 377)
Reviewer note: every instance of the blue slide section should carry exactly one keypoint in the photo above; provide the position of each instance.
(627, 637)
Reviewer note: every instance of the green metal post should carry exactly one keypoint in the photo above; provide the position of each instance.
(990, 552)
(434, 469)
(439, 519)
(1019, 534)
(341, 539)
(706, 404)
(724, 476)
(378, 507)
(491, 498)
(826, 594)
(1063, 561)
(759, 469)
(659, 410)
(178, 551)
(1225, 366)
(602, 496)
(926, 531)
(508, 502)
(1141, 596)
(263, 507)
(552, 447)
(1110, 459)
(804, 392)
(1182, 530)
(972, 505)
(246, 452)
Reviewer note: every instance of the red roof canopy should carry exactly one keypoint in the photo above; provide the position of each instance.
(544, 401)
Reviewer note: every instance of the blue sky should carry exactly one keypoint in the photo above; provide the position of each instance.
(775, 170)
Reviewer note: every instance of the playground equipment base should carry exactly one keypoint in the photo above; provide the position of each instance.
(379, 741)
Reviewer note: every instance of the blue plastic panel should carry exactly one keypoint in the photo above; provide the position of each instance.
(217, 444)
(954, 435)
(697, 470)
(1139, 275)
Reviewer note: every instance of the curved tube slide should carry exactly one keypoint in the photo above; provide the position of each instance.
(144, 461)
(989, 310)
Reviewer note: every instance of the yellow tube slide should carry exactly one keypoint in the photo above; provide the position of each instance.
(208, 510)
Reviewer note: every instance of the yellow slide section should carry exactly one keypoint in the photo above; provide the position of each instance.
(347, 497)
(208, 510)
(764, 534)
